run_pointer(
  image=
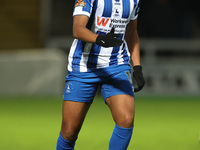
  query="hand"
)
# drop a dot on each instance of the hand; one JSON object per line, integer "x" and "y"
{"x": 109, "y": 40}
{"x": 138, "y": 76}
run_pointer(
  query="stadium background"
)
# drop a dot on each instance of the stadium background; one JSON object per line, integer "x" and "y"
{"x": 35, "y": 37}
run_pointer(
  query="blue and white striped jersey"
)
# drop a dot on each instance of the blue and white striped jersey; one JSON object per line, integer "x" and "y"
{"x": 103, "y": 15}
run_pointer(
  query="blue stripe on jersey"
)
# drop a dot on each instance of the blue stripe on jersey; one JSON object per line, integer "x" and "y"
{"x": 77, "y": 56}
{"x": 113, "y": 58}
{"x": 91, "y": 20}
{"x": 125, "y": 54}
{"x": 87, "y": 6}
{"x": 94, "y": 53}
{"x": 135, "y": 3}
{"x": 107, "y": 12}
{"x": 126, "y": 8}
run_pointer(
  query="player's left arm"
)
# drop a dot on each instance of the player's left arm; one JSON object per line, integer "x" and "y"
{"x": 133, "y": 43}
{"x": 132, "y": 40}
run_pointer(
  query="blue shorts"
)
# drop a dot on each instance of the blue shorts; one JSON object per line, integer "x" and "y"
{"x": 82, "y": 87}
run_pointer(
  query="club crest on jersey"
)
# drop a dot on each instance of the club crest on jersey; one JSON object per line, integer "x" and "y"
{"x": 80, "y": 3}
{"x": 117, "y": 11}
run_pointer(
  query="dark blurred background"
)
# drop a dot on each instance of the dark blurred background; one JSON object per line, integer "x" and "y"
{"x": 170, "y": 19}
{"x": 29, "y": 24}
{"x": 37, "y": 34}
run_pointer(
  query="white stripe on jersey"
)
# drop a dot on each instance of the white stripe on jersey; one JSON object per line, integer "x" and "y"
{"x": 80, "y": 12}
{"x": 104, "y": 57}
{"x": 72, "y": 50}
{"x": 120, "y": 56}
{"x": 84, "y": 58}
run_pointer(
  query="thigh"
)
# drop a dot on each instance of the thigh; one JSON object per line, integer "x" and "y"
{"x": 123, "y": 109}
{"x": 73, "y": 117}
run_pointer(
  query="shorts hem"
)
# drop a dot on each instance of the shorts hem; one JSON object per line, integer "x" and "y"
{"x": 118, "y": 94}
{"x": 77, "y": 100}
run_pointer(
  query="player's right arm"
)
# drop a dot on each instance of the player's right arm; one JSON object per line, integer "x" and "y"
{"x": 80, "y": 31}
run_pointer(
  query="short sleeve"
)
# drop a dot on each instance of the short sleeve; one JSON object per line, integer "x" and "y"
{"x": 83, "y": 7}
{"x": 136, "y": 10}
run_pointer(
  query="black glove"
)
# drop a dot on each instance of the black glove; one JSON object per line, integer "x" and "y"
{"x": 138, "y": 76}
{"x": 109, "y": 40}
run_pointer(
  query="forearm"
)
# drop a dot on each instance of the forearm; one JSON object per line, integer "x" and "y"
{"x": 135, "y": 53}
{"x": 84, "y": 34}
{"x": 80, "y": 31}
{"x": 134, "y": 48}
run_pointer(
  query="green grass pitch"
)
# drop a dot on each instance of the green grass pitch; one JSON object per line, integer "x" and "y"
{"x": 161, "y": 123}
